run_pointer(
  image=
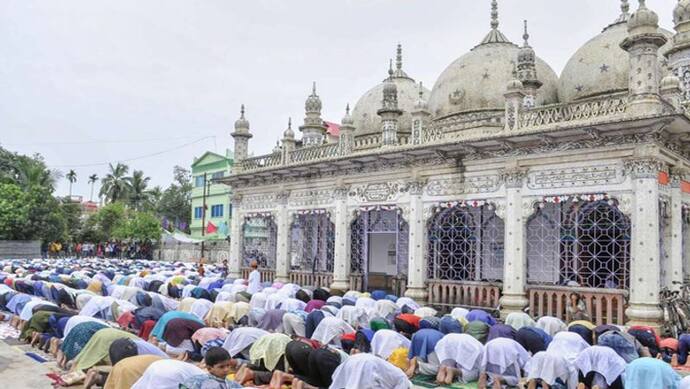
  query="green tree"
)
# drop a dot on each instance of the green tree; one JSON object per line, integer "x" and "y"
{"x": 110, "y": 218}
{"x": 139, "y": 226}
{"x": 14, "y": 212}
{"x": 138, "y": 193}
{"x": 115, "y": 185}
{"x": 92, "y": 180}
{"x": 72, "y": 178}
{"x": 176, "y": 202}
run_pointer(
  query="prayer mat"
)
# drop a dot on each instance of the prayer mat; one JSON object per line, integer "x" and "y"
{"x": 428, "y": 381}
{"x": 36, "y": 357}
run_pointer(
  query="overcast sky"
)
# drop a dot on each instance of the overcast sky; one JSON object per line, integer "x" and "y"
{"x": 86, "y": 82}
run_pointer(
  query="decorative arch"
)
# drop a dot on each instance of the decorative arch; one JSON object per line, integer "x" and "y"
{"x": 465, "y": 243}
{"x": 312, "y": 241}
{"x": 259, "y": 240}
{"x": 579, "y": 241}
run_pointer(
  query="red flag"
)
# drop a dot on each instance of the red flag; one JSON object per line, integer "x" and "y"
{"x": 211, "y": 228}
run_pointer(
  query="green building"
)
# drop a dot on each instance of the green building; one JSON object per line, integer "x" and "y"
{"x": 205, "y": 170}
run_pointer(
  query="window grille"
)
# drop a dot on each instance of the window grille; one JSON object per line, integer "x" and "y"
{"x": 259, "y": 235}
{"x": 312, "y": 243}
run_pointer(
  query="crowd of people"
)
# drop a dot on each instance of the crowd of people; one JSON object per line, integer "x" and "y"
{"x": 110, "y": 249}
{"x": 142, "y": 324}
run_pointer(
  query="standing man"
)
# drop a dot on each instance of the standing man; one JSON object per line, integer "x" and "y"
{"x": 254, "y": 278}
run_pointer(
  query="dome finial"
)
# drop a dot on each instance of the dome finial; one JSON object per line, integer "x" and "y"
{"x": 398, "y": 58}
{"x": 313, "y": 88}
{"x": 390, "y": 68}
{"x": 625, "y": 7}
{"x": 525, "y": 36}
{"x": 421, "y": 90}
{"x": 494, "y": 14}
{"x": 347, "y": 109}
{"x": 242, "y": 111}
{"x": 290, "y": 122}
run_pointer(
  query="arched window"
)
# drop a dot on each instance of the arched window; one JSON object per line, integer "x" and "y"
{"x": 312, "y": 243}
{"x": 466, "y": 244}
{"x": 579, "y": 243}
{"x": 259, "y": 235}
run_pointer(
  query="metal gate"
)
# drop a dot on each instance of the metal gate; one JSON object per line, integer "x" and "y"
{"x": 259, "y": 235}
{"x": 312, "y": 242}
{"x": 372, "y": 221}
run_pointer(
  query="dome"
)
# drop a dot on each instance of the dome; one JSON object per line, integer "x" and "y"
{"x": 365, "y": 116}
{"x": 600, "y": 66}
{"x": 681, "y": 13}
{"x": 478, "y": 79}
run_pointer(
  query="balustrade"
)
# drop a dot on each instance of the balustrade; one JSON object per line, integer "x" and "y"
{"x": 267, "y": 275}
{"x": 469, "y": 294}
{"x": 605, "y": 306}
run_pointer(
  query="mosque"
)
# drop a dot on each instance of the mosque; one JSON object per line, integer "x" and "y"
{"x": 504, "y": 187}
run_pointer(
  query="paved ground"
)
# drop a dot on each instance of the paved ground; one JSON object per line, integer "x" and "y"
{"x": 19, "y": 371}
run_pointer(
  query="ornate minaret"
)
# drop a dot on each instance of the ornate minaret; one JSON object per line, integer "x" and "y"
{"x": 643, "y": 43}
{"x": 347, "y": 133}
{"x": 389, "y": 111}
{"x": 420, "y": 118}
{"x": 313, "y": 129}
{"x": 241, "y": 137}
{"x": 679, "y": 55}
{"x": 288, "y": 143}
{"x": 527, "y": 71}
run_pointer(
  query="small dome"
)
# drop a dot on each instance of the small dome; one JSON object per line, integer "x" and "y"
{"x": 313, "y": 102}
{"x": 642, "y": 21}
{"x": 681, "y": 14}
{"x": 478, "y": 79}
{"x": 365, "y": 116}
{"x": 289, "y": 133}
{"x": 670, "y": 82}
{"x": 422, "y": 104}
{"x": 600, "y": 66}
{"x": 347, "y": 119}
{"x": 242, "y": 123}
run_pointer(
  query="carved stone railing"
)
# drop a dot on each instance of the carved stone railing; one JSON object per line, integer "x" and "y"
{"x": 605, "y": 306}
{"x": 563, "y": 113}
{"x": 267, "y": 275}
{"x": 307, "y": 278}
{"x": 262, "y": 161}
{"x": 314, "y": 153}
{"x": 470, "y": 294}
{"x": 368, "y": 142}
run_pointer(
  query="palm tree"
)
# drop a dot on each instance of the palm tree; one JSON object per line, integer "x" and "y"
{"x": 72, "y": 178}
{"x": 92, "y": 180}
{"x": 153, "y": 198}
{"x": 115, "y": 185}
{"x": 138, "y": 195}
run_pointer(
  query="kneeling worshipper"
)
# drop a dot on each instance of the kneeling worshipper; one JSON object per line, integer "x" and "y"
{"x": 76, "y": 340}
{"x": 240, "y": 340}
{"x": 166, "y": 374}
{"x": 178, "y": 338}
{"x": 602, "y": 366}
{"x": 647, "y": 373}
{"x": 385, "y": 341}
{"x": 550, "y": 370}
{"x": 267, "y": 354}
{"x": 127, "y": 371}
{"x": 423, "y": 358}
{"x": 460, "y": 356}
{"x": 533, "y": 339}
{"x": 217, "y": 362}
{"x": 310, "y": 367}
{"x": 330, "y": 330}
{"x": 366, "y": 371}
{"x": 567, "y": 344}
{"x": 503, "y": 360}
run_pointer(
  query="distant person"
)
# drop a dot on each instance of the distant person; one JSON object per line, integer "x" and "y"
{"x": 254, "y": 278}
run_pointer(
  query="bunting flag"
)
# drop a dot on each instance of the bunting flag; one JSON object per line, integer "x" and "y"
{"x": 211, "y": 228}
{"x": 223, "y": 228}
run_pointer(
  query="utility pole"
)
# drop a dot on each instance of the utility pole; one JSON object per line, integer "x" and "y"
{"x": 203, "y": 215}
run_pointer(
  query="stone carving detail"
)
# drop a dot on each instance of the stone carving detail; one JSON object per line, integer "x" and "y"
{"x": 575, "y": 177}
{"x": 282, "y": 197}
{"x": 416, "y": 188}
{"x": 311, "y": 197}
{"x": 340, "y": 192}
{"x": 405, "y": 212}
{"x": 236, "y": 200}
{"x": 500, "y": 208}
{"x": 428, "y": 211}
{"x": 643, "y": 168}
{"x": 379, "y": 191}
{"x": 462, "y": 185}
{"x": 625, "y": 203}
{"x": 529, "y": 206}
{"x": 513, "y": 178}
{"x": 259, "y": 201}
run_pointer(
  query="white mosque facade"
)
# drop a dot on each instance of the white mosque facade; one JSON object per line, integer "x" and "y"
{"x": 502, "y": 187}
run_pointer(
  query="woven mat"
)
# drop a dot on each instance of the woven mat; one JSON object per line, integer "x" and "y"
{"x": 427, "y": 381}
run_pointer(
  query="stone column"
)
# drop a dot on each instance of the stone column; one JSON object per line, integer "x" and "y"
{"x": 514, "y": 296}
{"x": 236, "y": 237}
{"x": 645, "y": 266}
{"x": 417, "y": 269}
{"x": 283, "y": 238}
{"x": 675, "y": 270}
{"x": 341, "y": 258}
